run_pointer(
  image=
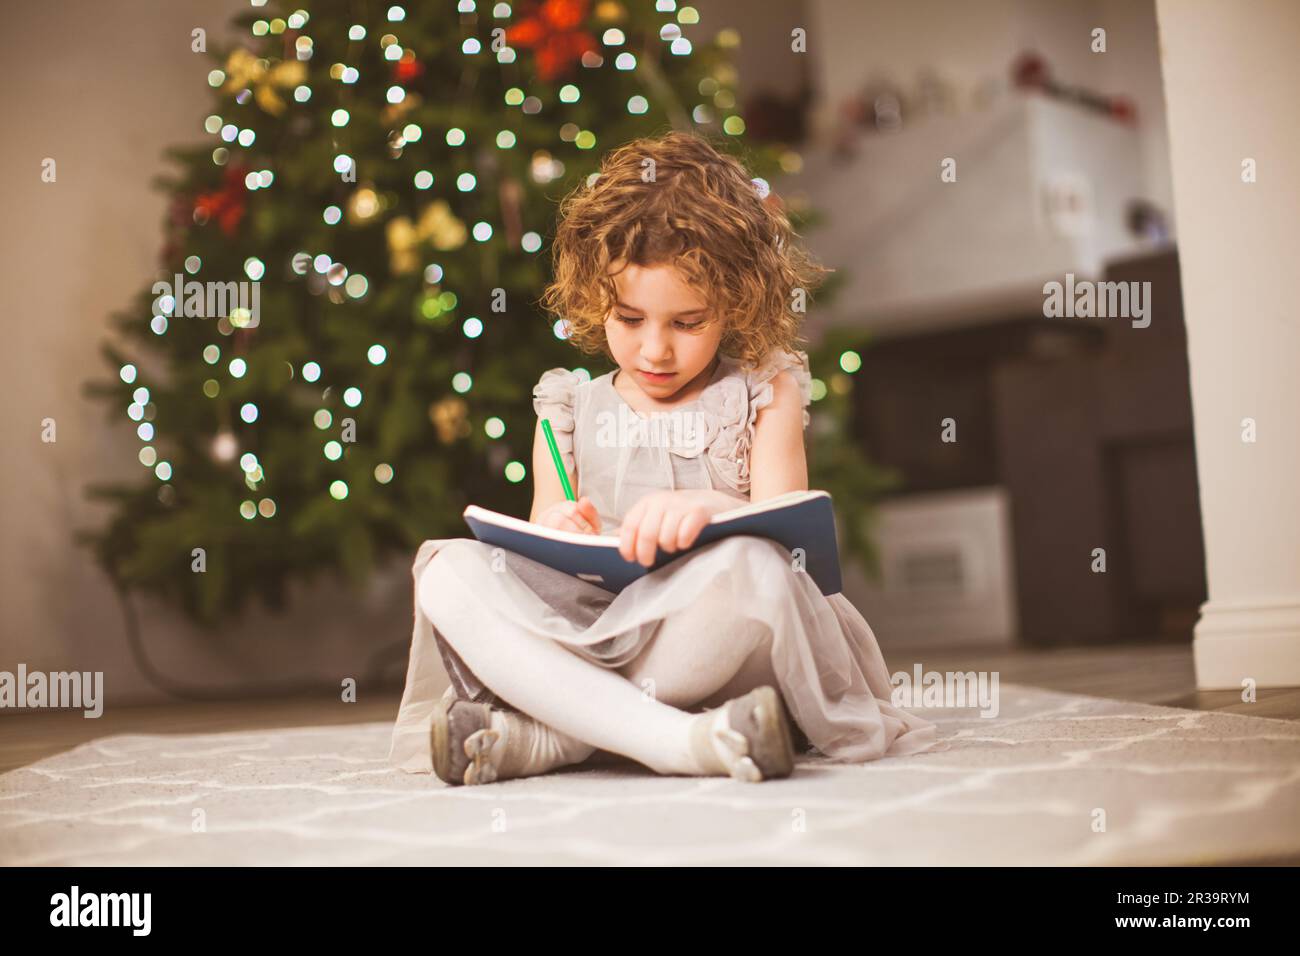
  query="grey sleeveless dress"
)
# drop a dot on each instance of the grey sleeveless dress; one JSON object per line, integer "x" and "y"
{"x": 831, "y": 673}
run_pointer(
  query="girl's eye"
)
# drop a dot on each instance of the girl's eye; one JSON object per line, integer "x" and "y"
{"x": 629, "y": 319}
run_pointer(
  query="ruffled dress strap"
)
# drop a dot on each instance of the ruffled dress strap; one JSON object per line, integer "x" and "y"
{"x": 760, "y": 380}
{"x": 554, "y": 397}
{"x": 734, "y": 403}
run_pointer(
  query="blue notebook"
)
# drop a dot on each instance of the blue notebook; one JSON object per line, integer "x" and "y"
{"x": 799, "y": 519}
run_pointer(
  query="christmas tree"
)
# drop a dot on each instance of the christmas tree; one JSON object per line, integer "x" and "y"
{"x": 339, "y": 351}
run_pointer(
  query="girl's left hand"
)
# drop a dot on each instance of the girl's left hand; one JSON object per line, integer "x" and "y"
{"x": 670, "y": 520}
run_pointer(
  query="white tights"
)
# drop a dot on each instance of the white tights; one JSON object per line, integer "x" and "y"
{"x": 633, "y": 710}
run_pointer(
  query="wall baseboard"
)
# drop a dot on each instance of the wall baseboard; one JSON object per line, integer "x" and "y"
{"x": 1237, "y": 641}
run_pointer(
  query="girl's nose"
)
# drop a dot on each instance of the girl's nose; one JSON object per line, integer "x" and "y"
{"x": 655, "y": 347}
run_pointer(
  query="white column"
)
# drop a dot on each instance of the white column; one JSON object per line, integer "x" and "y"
{"x": 1232, "y": 75}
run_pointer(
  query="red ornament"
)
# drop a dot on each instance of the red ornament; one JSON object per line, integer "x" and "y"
{"x": 1030, "y": 71}
{"x": 1123, "y": 109}
{"x": 554, "y": 32}
{"x": 227, "y": 204}
{"x": 407, "y": 69}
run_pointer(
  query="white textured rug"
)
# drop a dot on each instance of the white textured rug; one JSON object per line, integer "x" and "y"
{"x": 1028, "y": 787}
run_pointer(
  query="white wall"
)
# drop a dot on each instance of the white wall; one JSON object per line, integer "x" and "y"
{"x": 1232, "y": 74}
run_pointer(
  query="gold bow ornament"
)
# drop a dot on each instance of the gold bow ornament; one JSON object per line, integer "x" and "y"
{"x": 247, "y": 72}
{"x": 437, "y": 224}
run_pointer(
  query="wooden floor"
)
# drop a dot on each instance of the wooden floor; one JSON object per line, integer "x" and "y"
{"x": 1152, "y": 674}
{"x": 1148, "y": 673}
{"x": 29, "y": 736}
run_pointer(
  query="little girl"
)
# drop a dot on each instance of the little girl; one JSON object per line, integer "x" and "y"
{"x": 671, "y": 265}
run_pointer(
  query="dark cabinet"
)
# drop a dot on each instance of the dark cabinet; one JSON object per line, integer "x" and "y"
{"x": 1087, "y": 425}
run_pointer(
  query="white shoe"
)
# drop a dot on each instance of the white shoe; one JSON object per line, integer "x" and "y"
{"x": 749, "y": 737}
{"x": 467, "y": 747}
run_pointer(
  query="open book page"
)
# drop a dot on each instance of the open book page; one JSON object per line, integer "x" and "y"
{"x": 767, "y": 504}
{"x": 558, "y": 534}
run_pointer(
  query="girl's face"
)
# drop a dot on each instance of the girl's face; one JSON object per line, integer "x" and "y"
{"x": 658, "y": 325}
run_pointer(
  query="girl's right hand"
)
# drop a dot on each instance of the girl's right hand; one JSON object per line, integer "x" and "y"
{"x": 579, "y": 516}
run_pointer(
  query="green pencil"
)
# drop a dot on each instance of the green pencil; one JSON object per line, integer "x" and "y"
{"x": 555, "y": 456}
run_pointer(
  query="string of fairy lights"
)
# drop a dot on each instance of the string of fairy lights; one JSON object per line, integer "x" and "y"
{"x": 253, "y": 79}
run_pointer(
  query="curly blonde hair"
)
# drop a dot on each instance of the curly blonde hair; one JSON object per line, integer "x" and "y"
{"x": 701, "y": 213}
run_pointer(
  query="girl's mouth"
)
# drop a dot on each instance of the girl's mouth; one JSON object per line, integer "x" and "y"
{"x": 656, "y": 377}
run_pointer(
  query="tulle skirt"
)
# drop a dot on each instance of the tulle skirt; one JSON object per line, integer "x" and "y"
{"x": 828, "y": 664}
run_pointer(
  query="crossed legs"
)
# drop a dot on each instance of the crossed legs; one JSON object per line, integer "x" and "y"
{"x": 634, "y": 710}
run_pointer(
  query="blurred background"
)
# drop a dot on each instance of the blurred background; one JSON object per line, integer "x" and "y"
{"x": 1061, "y": 162}
{"x": 950, "y": 159}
